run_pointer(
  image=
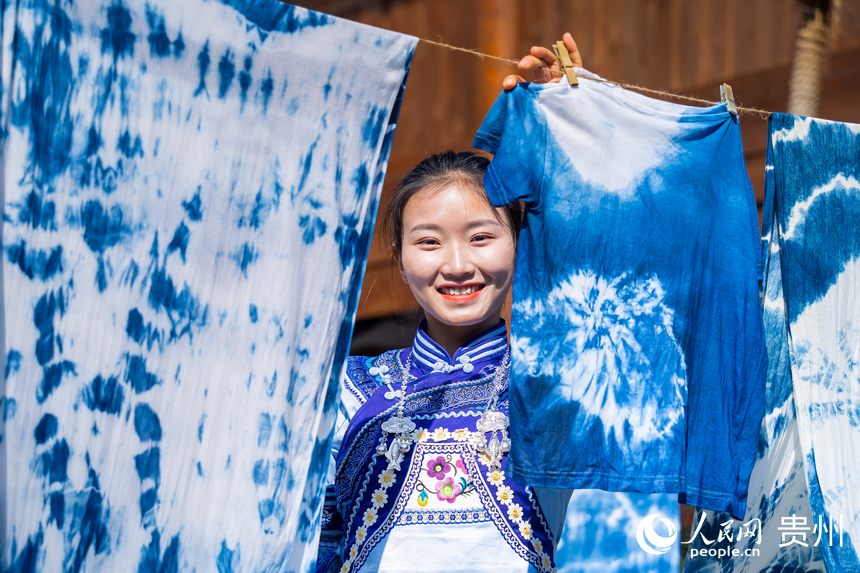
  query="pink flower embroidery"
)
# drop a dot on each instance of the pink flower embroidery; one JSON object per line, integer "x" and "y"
{"x": 461, "y": 466}
{"x": 438, "y": 468}
{"x": 447, "y": 490}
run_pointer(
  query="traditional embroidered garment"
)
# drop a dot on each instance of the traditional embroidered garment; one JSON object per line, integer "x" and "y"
{"x": 444, "y": 509}
{"x": 636, "y": 326}
{"x": 173, "y": 173}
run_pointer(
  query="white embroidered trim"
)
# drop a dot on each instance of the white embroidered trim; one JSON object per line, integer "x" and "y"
{"x": 504, "y": 495}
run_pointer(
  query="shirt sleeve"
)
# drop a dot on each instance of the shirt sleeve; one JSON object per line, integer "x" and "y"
{"x": 514, "y": 131}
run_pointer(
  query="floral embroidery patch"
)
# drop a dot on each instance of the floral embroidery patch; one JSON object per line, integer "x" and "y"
{"x": 446, "y": 477}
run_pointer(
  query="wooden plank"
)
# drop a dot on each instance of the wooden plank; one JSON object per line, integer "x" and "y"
{"x": 705, "y": 48}
{"x": 847, "y": 33}
{"x": 675, "y": 23}
{"x": 441, "y": 113}
{"x": 581, "y": 25}
{"x": 628, "y": 34}
{"x": 601, "y": 44}
{"x": 729, "y": 37}
{"x": 655, "y": 44}
{"x": 497, "y": 35}
{"x": 690, "y": 24}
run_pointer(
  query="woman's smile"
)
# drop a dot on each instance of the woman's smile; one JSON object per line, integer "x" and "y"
{"x": 463, "y": 293}
{"x": 457, "y": 258}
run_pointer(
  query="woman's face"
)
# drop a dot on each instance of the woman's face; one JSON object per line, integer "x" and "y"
{"x": 457, "y": 257}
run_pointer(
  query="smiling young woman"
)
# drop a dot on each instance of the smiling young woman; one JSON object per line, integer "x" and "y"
{"x": 455, "y": 251}
{"x": 421, "y": 440}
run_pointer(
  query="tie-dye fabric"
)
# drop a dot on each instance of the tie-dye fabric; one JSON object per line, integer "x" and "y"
{"x": 613, "y": 532}
{"x": 812, "y": 206}
{"x": 815, "y": 187}
{"x": 636, "y": 326}
{"x": 188, "y": 194}
{"x": 802, "y": 490}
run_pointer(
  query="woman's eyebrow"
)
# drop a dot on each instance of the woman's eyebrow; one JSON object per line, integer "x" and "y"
{"x": 470, "y": 225}
{"x": 424, "y": 227}
{"x": 482, "y": 222}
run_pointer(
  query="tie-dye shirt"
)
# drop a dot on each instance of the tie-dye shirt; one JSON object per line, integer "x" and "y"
{"x": 636, "y": 327}
{"x": 444, "y": 509}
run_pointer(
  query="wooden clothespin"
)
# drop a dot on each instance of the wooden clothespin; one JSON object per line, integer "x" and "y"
{"x": 728, "y": 98}
{"x": 566, "y": 63}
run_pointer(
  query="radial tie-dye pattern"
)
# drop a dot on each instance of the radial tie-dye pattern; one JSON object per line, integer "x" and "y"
{"x": 614, "y": 532}
{"x": 188, "y": 194}
{"x": 636, "y": 327}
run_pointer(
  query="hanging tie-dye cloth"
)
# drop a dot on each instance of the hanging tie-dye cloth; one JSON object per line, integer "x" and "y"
{"x": 814, "y": 189}
{"x": 803, "y": 496}
{"x": 188, "y": 194}
{"x": 636, "y": 324}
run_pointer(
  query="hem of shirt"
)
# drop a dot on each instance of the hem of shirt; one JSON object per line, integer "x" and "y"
{"x": 715, "y": 501}
{"x": 704, "y": 499}
{"x": 604, "y": 481}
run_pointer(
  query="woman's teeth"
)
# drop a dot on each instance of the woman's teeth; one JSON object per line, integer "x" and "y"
{"x": 461, "y": 290}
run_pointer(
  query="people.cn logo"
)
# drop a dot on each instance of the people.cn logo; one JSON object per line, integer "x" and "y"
{"x": 653, "y": 541}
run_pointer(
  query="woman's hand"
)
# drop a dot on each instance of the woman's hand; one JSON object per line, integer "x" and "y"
{"x": 541, "y": 65}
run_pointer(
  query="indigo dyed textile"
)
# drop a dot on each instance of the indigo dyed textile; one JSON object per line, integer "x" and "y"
{"x": 636, "y": 326}
{"x": 188, "y": 194}
{"x": 803, "y": 489}
{"x": 612, "y": 532}
{"x": 778, "y": 487}
{"x": 814, "y": 190}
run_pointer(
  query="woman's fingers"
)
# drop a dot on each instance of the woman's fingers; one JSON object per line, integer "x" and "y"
{"x": 542, "y": 66}
{"x": 546, "y": 56}
{"x": 511, "y": 81}
{"x": 575, "y": 56}
{"x": 538, "y": 69}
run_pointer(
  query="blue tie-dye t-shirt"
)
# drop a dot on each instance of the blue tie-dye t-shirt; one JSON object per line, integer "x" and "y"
{"x": 636, "y": 327}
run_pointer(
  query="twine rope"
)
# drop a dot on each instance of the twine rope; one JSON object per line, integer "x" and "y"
{"x": 761, "y": 113}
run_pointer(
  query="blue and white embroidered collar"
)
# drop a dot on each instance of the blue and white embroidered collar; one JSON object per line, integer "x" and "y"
{"x": 429, "y": 356}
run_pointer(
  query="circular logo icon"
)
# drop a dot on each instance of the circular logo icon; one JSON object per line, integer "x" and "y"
{"x": 652, "y": 541}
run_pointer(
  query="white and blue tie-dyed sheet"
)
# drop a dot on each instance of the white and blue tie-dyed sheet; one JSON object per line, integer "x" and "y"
{"x": 804, "y": 490}
{"x": 188, "y": 195}
{"x": 613, "y": 532}
{"x": 636, "y": 327}
{"x": 815, "y": 186}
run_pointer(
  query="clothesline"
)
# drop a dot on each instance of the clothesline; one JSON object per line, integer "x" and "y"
{"x": 761, "y": 113}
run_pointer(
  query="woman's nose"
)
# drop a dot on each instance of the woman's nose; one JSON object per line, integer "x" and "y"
{"x": 458, "y": 262}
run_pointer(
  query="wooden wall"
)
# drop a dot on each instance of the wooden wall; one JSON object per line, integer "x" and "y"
{"x": 686, "y": 46}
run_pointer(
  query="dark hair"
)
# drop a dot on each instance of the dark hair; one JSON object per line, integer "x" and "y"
{"x": 435, "y": 172}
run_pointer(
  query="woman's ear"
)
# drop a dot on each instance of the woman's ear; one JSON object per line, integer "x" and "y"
{"x": 399, "y": 262}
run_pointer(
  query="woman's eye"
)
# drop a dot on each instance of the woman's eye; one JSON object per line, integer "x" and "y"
{"x": 481, "y": 238}
{"x": 428, "y": 242}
